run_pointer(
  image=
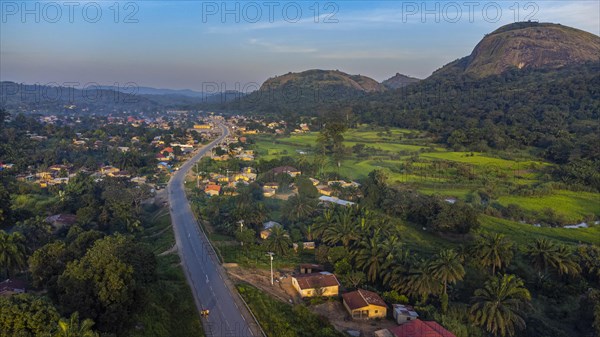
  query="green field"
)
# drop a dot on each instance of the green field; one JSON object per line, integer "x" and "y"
{"x": 524, "y": 233}
{"x": 410, "y": 158}
{"x": 573, "y": 206}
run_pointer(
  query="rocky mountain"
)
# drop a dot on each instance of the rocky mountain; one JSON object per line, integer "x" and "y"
{"x": 527, "y": 45}
{"x": 399, "y": 81}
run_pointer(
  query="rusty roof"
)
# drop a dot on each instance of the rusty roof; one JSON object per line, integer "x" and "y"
{"x": 316, "y": 280}
{"x": 362, "y": 298}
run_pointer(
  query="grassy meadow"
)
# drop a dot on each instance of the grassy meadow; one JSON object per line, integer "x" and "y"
{"x": 412, "y": 159}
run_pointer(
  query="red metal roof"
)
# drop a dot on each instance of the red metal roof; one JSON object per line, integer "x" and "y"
{"x": 419, "y": 328}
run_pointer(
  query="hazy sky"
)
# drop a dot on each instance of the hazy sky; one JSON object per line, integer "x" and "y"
{"x": 187, "y": 44}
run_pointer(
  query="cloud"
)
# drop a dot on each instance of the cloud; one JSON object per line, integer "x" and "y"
{"x": 281, "y": 48}
{"x": 366, "y": 55}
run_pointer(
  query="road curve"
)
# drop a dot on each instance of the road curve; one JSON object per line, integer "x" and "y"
{"x": 199, "y": 261}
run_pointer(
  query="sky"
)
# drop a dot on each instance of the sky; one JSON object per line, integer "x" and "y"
{"x": 240, "y": 44}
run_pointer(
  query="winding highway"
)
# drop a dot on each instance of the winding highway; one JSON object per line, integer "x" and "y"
{"x": 205, "y": 275}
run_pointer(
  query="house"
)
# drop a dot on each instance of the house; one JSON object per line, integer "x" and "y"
{"x": 108, "y": 169}
{"x": 316, "y": 284}
{"x": 308, "y": 268}
{"x": 244, "y": 176}
{"x": 364, "y": 304}
{"x": 212, "y": 190}
{"x": 305, "y": 245}
{"x": 120, "y": 174}
{"x": 269, "y": 189}
{"x": 163, "y": 166}
{"x": 404, "y": 313}
{"x": 419, "y": 328}
{"x": 245, "y": 157}
{"x": 292, "y": 171}
{"x": 59, "y": 221}
{"x": 325, "y": 190}
{"x": 202, "y": 126}
{"x": 267, "y": 226}
{"x": 333, "y": 200}
{"x": 58, "y": 168}
{"x": 10, "y": 287}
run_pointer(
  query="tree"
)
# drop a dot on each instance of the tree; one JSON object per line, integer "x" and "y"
{"x": 331, "y": 139}
{"x": 343, "y": 229}
{"x": 279, "y": 241}
{"x": 13, "y": 252}
{"x": 545, "y": 254}
{"x": 370, "y": 257}
{"x": 47, "y": 264}
{"x": 5, "y": 204}
{"x": 27, "y": 315}
{"x": 447, "y": 267}
{"x": 493, "y": 251}
{"x": 421, "y": 282}
{"x": 498, "y": 306}
{"x": 396, "y": 269}
{"x": 37, "y": 232}
{"x": 299, "y": 207}
{"x": 101, "y": 285}
{"x": 73, "y": 328}
{"x": 542, "y": 254}
{"x": 246, "y": 237}
{"x": 589, "y": 259}
{"x": 355, "y": 278}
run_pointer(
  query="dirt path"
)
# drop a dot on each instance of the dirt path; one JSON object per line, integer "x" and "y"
{"x": 172, "y": 250}
{"x": 281, "y": 289}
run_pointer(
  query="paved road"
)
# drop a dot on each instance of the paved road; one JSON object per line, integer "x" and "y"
{"x": 199, "y": 260}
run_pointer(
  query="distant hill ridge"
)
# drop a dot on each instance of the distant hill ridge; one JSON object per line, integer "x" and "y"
{"x": 399, "y": 81}
{"x": 324, "y": 79}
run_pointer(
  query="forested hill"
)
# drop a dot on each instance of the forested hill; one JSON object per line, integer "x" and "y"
{"x": 307, "y": 92}
{"x": 541, "y": 94}
{"x": 555, "y": 110}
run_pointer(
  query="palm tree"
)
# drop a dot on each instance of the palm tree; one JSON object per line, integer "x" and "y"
{"x": 370, "y": 257}
{"x": 447, "y": 268}
{"x": 73, "y": 328}
{"x": 545, "y": 254}
{"x": 542, "y": 254}
{"x": 13, "y": 250}
{"x": 568, "y": 264}
{"x": 323, "y": 222}
{"x": 498, "y": 306}
{"x": 298, "y": 207}
{"x": 493, "y": 250}
{"x": 421, "y": 282}
{"x": 396, "y": 268}
{"x": 343, "y": 230}
{"x": 279, "y": 241}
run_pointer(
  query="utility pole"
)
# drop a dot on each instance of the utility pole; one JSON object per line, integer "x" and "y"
{"x": 271, "y": 255}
